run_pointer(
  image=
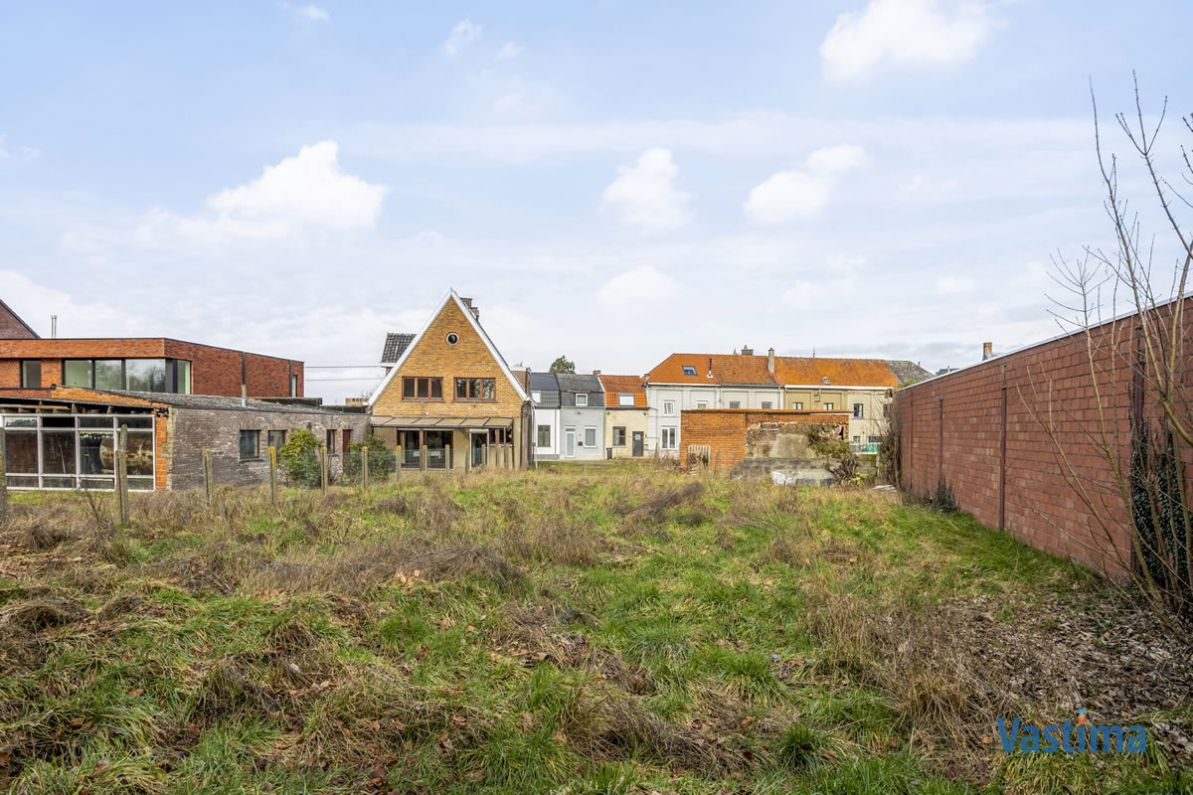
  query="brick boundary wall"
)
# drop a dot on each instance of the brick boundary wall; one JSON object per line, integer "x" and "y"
{"x": 724, "y": 430}
{"x": 982, "y": 431}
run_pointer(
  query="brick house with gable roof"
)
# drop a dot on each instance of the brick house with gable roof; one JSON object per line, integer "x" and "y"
{"x": 450, "y": 401}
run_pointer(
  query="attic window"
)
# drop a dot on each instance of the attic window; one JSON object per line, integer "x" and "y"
{"x": 689, "y": 369}
{"x": 453, "y": 338}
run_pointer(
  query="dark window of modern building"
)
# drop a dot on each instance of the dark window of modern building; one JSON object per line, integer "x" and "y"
{"x": 277, "y": 439}
{"x": 544, "y": 436}
{"x": 77, "y": 372}
{"x": 31, "y": 373}
{"x": 143, "y": 375}
{"x": 420, "y": 388}
{"x": 618, "y": 436}
{"x": 859, "y": 411}
{"x": 137, "y": 375}
{"x": 475, "y": 389}
{"x": 250, "y": 445}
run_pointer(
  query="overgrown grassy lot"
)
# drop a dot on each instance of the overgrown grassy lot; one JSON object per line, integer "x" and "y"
{"x": 569, "y": 631}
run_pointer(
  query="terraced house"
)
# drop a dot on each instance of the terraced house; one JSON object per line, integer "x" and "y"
{"x": 449, "y": 401}
{"x": 743, "y": 380}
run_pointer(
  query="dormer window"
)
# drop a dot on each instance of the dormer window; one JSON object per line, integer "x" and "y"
{"x": 689, "y": 370}
{"x": 581, "y": 399}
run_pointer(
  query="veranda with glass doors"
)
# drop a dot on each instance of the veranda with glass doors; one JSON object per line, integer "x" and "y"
{"x": 76, "y": 451}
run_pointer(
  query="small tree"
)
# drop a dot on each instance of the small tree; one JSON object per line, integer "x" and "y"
{"x": 563, "y": 365}
{"x": 382, "y": 460}
{"x": 299, "y": 458}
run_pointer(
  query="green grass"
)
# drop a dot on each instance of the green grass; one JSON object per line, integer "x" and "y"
{"x": 575, "y": 630}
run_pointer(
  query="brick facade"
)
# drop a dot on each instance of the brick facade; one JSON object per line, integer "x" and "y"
{"x": 982, "y": 431}
{"x": 214, "y": 371}
{"x": 726, "y": 431}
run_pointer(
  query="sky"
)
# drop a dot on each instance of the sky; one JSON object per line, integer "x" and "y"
{"x": 612, "y": 181}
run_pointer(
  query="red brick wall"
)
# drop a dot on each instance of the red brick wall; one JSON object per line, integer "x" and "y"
{"x": 11, "y": 326}
{"x": 214, "y": 371}
{"x": 952, "y": 431}
{"x": 724, "y": 430}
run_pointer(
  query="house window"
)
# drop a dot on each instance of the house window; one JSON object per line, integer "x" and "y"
{"x": 618, "y": 436}
{"x": 475, "y": 388}
{"x": 137, "y": 375}
{"x": 250, "y": 445}
{"x": 544, "y": 436}
{"x": 858, "y": 411}
{"x": 347, "y": 440}
{"x": 735, "y": 404}
{"x": 668, "y": 439}
{"x": 31, "y": 373}
{"x": 798, "y": 405}
{"x": 581, "y": 399}
{"x": 536, "y": 396}
{"x": 874, "y": 439}
{"x": 109, "y": 374}
{"x": 453, "y": 338}
{"x": 625, "y": 399}
{"x": 689, "y": 369}
{"x": 277, "y": 439}
{"x": 669, "y": 407}
{"x": 77, "y": 372}
{"x": 829, "y": 406}
{"x": 590, "y": 437}
{"x": 421, "y": 388}
{"x": 331, "y": 442}
{"x": 886, "y": 411}
{"x": 766, "y": 404}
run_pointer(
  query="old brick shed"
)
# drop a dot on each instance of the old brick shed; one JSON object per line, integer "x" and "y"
{"x": 762, "y": 440}
{"x": 64, "y": 438}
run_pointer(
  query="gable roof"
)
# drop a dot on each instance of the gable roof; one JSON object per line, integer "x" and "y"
{"x": 543, "y": 382}
{"x": 452, "y": 296}
{"x": 17, "y": 320}
{"x": 728, "y": 369}
{"x": 623, "y": 385}
{"x": 395, "y": 345}
{"x": 908, "y": 372}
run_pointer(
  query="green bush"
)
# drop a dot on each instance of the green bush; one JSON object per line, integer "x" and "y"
{"x": 382, "y": 460}
{"x": 299, "y": 458}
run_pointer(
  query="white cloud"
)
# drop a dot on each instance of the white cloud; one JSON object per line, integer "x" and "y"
{"x": 953, "y": 285}
{"x": 463, "y": 35}
{"x": 645, "y": 195}
{"x": 19, "y": 153}
{"x": 836, "y": 159}
{"x": 313, "y": 13}
{"x": 511, "y": 49}
{"x": 787, "y": 196}
{"x": 35, "y": 302}
{"x": 634, "y": 288}
{"x": 923, "y": 186}
{"x": 790, "y": 195}
{"x": 903, "y": 32}
{"x": 306, "y": 190}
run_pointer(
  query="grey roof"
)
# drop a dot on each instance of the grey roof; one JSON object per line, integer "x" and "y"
{"x": 572, "y": 383}
{"x": 547, "y": 387}
{"x": 395, "y": 345}
{"x": 907, "y": 372}
{"x": 221, "y": 403}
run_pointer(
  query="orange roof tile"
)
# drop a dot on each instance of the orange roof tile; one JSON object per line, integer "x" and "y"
{"x": 725, "y": 369}
{"x": 620, "y": 385}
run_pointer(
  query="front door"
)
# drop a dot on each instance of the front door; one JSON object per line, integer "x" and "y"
{"x": 637, "y": 444}
{"x": 569, "y": 443}
{"x": 477, "y": 449}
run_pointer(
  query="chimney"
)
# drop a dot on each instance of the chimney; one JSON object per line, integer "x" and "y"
{"x": 596, "y": 372}
{"x": 746, "y": 350}
{"x": 770, "y": 360}
{"x": 987, "y": 350}
{"x": 476, "y": 312}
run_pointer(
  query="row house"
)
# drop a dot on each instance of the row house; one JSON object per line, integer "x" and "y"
{"x": 742, "y": 380}
{"x": 569, "y": 416}
{"x": 627, "y": 416}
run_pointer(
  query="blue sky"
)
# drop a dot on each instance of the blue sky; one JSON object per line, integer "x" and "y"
{"x": 613, "y": 180}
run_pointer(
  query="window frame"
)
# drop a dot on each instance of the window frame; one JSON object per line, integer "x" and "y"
{"x": 625, "y": 399}
{"x": 689, "y": 370}
{"x": 431, "y": 382}
{"x": 25, "y": 380}
{"x": 735, "y": 404}
{"x": 668, "y": 412}
{"x": 619, "y": 429}
{"x": 538, "y": 436}
{"x": 797, "y": 405}
{"x": 468, "y": 383}
{"x": 255, "y": 435}
{"x": 270, "y": 438}
{"x": 590, "y": 433}
{"x": 329, "y": 441}
{"x": 767, "y": 405}
{"x": 830, "y": 406}
{"x": 669, "y": 432}
{"x": 859, "y": 411}
{"x": 580, "y": 395}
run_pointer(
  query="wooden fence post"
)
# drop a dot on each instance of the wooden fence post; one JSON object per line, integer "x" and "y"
{"x": 208, "y": 477}
{"x": 364, "y": 467}
{"x": 323, "y": 469}
{"x": 398, "y": 464}
{"x": 3, "y": 482}
{"x": 122, "y": 475}
{"x": 273, "y": 475}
